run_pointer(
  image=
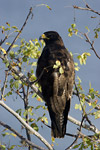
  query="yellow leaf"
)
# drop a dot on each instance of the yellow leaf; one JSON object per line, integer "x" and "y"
{"x": 14, "y": 64}
{"x": 53, "y": 139}
{"x": 3, "y": 50}
{"x": 89, "y": 104}
{"x": 61, "y": 70}
{"x": 58, "y": 63}
{"x": 13, "y": 134}
{"x": 4, "y": 99}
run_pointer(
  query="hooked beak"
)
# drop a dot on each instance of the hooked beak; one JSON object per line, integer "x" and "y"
{"x": 42, "y": 37}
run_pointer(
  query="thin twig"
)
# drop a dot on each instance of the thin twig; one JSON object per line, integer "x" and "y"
{"x": 21, "y": 137}
{"x": 30, "y": 12}
{"x": 2, "y": 41}
{"x": 79, "y": 98}
{"x": 91, "y": 44}
{"x": 3, "y": 88}
{"x": 87, "y": 8}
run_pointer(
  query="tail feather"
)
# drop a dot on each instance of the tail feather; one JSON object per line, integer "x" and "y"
{"x": 58, "y": 126}
{"x": 59, "y": 121}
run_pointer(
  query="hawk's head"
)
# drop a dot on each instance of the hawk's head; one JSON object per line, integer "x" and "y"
{"x": 51, "y": 37}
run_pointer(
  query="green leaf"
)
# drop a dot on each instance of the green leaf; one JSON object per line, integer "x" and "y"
{"x": 58, "y": 63}
{"x": 88, "y": 54}
{"x": 13, "y": 134}
{"x": 17, "y": 83}
{"x": 14, "y": 27}
{"x": 75, "y": 31}
{"x": 34, "y": 126}
{"x": 6, "y": 133}
{"x": 87, "y": 29}
{"x": 97, "y": 114}
{"x": 15, "y": 45}
{"x": 11, "y": 54}
{"x": 39, "y": 106}
{"x": 73, "y": 25}
{"x": 2, "y": 147}
{"x": 55, "y": 66}
{"x": 24, "y": 59}
{"x": 19, "y": 111}
{"x": 78, "y": 106}
{"x": 45, "y": 119}
{"x": 70, "y": 30}
{"x": 12, "y": 147}
{"x": 53, "y": 139}
{"x": 61, "y": 70}
{"x": 25, "y": 113}
{"x": 96, "y": 35}
{"x": 31, "y": 120}
{"x": 70, "y": 34}
{"x": 76, "y": 146}
{"x": 77, "y": 68}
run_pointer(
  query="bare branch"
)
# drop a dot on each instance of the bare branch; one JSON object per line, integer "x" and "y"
{"x": 2, "y": 41}
{"x": 25, "y": 95}
{"x": 21, "y": 137}
{"x": 91, "y": 44}
{"x": 87, "y": 8}
{"x": 30, "y": 12}
{"x": 3, "y": 88}
{"x": 25, "y": 124}
{"x": 85, "y": 126}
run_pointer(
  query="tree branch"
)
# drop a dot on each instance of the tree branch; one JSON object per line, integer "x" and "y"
{"x": 91, "y": 44}
{"x": 26, "y": 95}
{"x": 87, "y": 8}
{"x": 85, "y": 126}
{"x": 26, "y": 125}
{"x": 3, "y": 88}
{"x": 30, "y": 12}
{"x": 21, "y": 137}
{"x": 2, "y": 41}
{"x": 70, "y": 147}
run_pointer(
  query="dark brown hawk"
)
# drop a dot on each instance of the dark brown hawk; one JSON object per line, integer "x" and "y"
{"x": 55, "y": 73}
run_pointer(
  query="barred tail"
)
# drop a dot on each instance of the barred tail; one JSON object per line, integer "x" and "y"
{"x": 58, "y": 126}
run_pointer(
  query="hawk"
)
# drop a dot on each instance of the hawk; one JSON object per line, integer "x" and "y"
{"x": 55, "y": 74}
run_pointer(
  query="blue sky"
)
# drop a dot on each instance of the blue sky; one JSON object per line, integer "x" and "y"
{"x": 59, "y": 19}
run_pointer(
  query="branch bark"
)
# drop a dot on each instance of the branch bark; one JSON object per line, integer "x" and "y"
{"x": 21, "y": 137}
{"x": 25, "y": 124}
{"x": 3, "y": 88}
{"x": 73, "y": 143}
{"x": 91, "y": 44}
{"x": 85, "y": 126}
{"x": 87, "y": 8}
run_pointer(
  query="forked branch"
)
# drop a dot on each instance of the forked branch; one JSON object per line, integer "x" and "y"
{"x": 21, "y": 137}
